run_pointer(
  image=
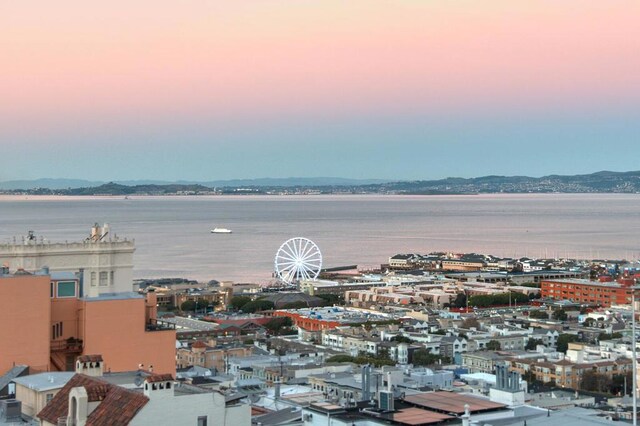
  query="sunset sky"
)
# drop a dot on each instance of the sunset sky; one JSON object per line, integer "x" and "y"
{"x": 414, "y": 89}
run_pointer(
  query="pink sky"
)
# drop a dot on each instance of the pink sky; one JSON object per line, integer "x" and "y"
{"x": 70, "y": 61}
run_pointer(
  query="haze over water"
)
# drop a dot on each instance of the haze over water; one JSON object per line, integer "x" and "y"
{"x": 173, "y": 236}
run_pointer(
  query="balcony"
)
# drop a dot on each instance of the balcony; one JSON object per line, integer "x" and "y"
{"x": 159, "y": 325}
{"x": 70, "y": 345}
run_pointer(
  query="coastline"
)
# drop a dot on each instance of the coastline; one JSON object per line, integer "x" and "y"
{"x": 133, "y": 197}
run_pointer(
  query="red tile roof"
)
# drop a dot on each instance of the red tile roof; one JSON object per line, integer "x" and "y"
{"x": 198, "y": 344}
{"x": 90, "y": 358}
{"x": 119, "y": 405}
{"x": 97, "y": 392}
{"x": 159, "y": 378}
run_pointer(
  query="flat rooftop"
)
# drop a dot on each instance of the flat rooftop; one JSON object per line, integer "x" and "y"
{"x": 450, "y": 402}
{"x": 418, "y": 416}
{"x": 582, "y": 281}
{"x": 45, "y": 381}
{"x": 183, "y": 323}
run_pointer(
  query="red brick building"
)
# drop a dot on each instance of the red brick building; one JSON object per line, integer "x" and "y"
{"x": 587, "y": 292}
{"x": 306, "y": 323}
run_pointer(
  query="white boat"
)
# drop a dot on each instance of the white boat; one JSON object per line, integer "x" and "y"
{"x": 220, "y": 231}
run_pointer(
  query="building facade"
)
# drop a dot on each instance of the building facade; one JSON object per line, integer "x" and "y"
{"x": 61, "y": 324}
{"x": 104, "y": 259}
{"x": 587, "y": 292}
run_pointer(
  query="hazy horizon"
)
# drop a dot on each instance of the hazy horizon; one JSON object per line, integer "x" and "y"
{"x": 371, "y": 89}
{"x": 292, "y": 178}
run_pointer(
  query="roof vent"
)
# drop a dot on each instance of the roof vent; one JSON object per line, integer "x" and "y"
{"x": 10, "y": 410}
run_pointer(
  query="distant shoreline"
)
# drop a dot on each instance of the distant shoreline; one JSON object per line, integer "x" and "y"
{"x": 29, "y": 197}
{"x": 604, "y": 182}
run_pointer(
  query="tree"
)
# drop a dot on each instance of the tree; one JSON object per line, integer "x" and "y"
{"x": 279, "y": 325}
{"x": 424, "y": 357}
{"x": 560, "y": 315}
{"x": 471, "y": 323}
{"x": 596, "y": 382}
{"x": 237, "y": 302}
{"x": 188, "y": 306}
{"x": 340, "y": 358}
{"x": 296, "y": 305}
{"x": 331, "y": 299}
{"x": 538, "y": 315}
{"x": 618, "y": 384}
{"x": 383, "y": 353}
{"x": 493, "y": 345}
{"x": 564, "y": 340}
{"x": 460, "y": 301}
{"x": 532, "y": 344}
{"x": 486, "y": 300}
{"x": 607, "y": 336}
{"x": 257, "y": 305}
{"x": 401, "y": 339}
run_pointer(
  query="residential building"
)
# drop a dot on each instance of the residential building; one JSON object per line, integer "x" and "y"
{"x": 91, "y": 400}
{"x": 209, "y": 355}
{"x": 565, "y": 372}
{"x": 36, "y": 390}
{"x": 587, "y": 292}
{"x": 481, "y": 361}
{"x": 62, "y": 323}
{"x": 451, "y": 346}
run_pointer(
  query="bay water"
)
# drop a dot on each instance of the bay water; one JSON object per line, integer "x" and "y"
{"x": 173, "y": 237}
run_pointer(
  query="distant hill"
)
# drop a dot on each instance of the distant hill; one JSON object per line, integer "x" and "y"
{"x": 600, "y": 182}
{"x": 49, "y": 183}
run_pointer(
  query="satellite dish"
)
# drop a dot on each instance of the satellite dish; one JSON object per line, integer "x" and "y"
{"x": 138, "y": 381}
{"x": 254, "y": 397}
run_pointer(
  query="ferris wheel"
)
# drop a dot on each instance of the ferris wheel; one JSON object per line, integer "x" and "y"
{"x": 298, "y": 259}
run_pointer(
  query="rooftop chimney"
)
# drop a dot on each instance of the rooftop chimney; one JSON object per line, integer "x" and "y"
{"x": 277, "y": 389}
{"x": 466, "y": 418}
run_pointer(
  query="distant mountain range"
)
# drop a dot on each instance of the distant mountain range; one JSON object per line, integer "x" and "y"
{"x": 234, "y": 183}
{"x": 600, "y": 182}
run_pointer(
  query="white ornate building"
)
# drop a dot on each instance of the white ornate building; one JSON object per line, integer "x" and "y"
{"x": 105, "y": 260}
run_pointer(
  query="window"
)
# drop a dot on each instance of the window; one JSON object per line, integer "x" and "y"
{"x": 52, "y": 292}
{"x": 104, "y": 279}
{"x": 94, "y": 281}
{"x": 66, "y": 289}
{"x": 202, "y": 420}
{"x": 49, "y": 397}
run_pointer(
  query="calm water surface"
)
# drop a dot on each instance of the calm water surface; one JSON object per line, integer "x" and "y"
{"x": 173, "y": 239}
